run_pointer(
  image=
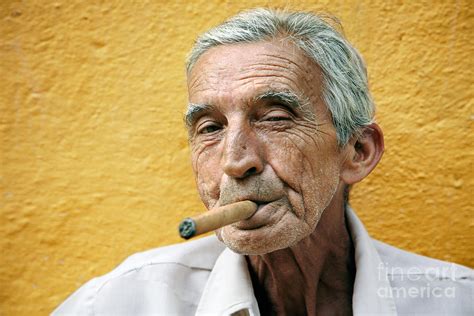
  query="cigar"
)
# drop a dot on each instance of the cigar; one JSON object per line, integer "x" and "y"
{"x": 216, "y": 218}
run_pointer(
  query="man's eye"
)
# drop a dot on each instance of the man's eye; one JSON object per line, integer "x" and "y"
{"x": 208, "y": 128}
{"x": 276, "y": 116}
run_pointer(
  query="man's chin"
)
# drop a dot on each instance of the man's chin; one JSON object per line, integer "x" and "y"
{"x": 257, "y": 242}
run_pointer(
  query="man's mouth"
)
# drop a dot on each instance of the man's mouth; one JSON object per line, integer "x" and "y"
{"x": 260, "y": 218}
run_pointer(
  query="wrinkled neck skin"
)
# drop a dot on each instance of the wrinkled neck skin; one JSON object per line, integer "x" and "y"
{"x": 314, "y": 277}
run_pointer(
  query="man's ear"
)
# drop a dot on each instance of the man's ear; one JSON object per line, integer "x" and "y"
{"x": 363, "y": 152}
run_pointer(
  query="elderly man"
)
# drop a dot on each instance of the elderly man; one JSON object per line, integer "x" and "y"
{"x": 279, "y": 114}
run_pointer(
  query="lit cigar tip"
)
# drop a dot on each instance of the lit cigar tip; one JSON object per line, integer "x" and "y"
{"x": 187, "y": 228}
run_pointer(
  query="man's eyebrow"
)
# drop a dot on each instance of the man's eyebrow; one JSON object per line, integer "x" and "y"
{"x": 288, "y": 98}
{"x": 194, "y": 111}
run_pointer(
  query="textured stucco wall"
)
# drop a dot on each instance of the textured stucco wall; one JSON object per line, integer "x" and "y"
{"x": 93, "y": 153}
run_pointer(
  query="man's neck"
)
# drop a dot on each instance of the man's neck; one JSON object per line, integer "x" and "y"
{"x": 316, "y": 276}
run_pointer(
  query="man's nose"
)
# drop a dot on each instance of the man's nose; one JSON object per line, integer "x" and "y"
{"x": 242, "y": 155}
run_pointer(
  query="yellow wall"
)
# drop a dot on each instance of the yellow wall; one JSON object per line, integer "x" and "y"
{"x": 94, "y": 158}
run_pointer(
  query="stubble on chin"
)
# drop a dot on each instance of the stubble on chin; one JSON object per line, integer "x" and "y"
{"x": 262, "y": 242}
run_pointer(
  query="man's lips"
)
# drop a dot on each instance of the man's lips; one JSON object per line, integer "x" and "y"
{"x": 261, "y": 217}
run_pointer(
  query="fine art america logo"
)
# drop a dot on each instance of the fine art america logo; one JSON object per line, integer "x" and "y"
{"x": 416, "y": 282}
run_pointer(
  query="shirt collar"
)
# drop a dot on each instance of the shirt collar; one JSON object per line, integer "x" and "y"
{"x": 229, "y": 287}
{"x": 369, "y": 280}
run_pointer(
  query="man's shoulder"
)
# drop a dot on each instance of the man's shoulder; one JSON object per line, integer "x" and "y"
{"x": 175, "y": 273}
{"x": 404, "y": 262}
{"x": 197, "y": 254}
{"x": 419, "y": 284}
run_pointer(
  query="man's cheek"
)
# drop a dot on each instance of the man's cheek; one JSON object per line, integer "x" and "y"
{"x": 208, "y": 186}
{"x": 204, "y": 193}
{"x": 292, "y": 168}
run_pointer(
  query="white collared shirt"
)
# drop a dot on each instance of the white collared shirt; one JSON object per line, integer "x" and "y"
{"x": 203, "y": 277}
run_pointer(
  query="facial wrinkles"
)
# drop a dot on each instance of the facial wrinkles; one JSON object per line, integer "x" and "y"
{"x": 278, "y": 73}
{"x": 300, "y": 67}
{"x": 265, "y": 187}
{"x": 206, "y": 78}
{"x": 281, "y": 78}
{"x": 310, "y": 172}
{"x": 285, "y": 62}
{"x": 307, "y": 137}
{"x": 274, "y": 65}
{"x": 300, "y": 171}
{"x": 278, "y": 236}
{"x": 206, "y": 188}
{"x": 280, "y": 69}
{"x": 206, "y": 180}
{"x": 241, "y": 143}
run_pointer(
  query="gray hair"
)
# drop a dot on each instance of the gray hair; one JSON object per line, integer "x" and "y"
{"x": 345, "y": 87}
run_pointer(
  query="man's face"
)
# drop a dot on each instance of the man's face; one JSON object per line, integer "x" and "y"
{"x": 260, "y": 131}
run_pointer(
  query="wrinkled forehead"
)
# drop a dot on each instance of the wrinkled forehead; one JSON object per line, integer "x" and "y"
{"x": 277, "y": 63}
